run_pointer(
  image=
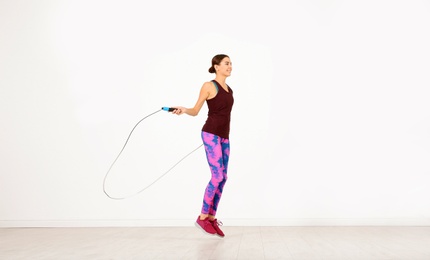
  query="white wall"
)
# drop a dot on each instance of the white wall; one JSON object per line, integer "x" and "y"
{"x": 331, "y": 122}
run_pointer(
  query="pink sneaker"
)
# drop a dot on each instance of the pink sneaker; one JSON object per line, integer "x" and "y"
{"x": 216, "y": 224}
{"x": 206, "y": 226}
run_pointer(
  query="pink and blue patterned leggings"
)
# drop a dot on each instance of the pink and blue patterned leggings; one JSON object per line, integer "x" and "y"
{"x": 217, "y": 152}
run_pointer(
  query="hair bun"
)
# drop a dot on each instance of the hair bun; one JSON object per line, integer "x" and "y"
{"x": 216, "y": 60}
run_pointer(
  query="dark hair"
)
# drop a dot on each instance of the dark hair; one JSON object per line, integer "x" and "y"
{"x": 216, "y": 60}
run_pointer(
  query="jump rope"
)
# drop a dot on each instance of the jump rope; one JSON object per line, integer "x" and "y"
{"x": 168, "y": 109}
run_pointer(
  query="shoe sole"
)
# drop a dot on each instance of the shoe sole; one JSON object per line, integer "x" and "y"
{"x": 219, "y": 235}
{"x": 204, "y": 231}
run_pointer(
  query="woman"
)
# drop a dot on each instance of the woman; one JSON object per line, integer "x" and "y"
{"x": 215, "y": 135}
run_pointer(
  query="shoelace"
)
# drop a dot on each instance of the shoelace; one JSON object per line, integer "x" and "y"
{"x": 217, "y": 222}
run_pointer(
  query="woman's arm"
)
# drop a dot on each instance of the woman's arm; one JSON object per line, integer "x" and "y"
{"x": 207, "y": 91}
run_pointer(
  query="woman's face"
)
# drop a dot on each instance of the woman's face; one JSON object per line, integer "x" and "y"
{"x": 225, "y": 67}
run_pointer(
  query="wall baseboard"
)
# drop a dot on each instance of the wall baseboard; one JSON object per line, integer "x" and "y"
{"x": 227, "y": 222}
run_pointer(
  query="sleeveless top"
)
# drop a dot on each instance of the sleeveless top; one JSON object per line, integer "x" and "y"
{"x": 218, "y": 121}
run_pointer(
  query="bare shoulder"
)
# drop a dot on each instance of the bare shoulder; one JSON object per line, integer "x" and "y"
{"x": 210, "y": 89}
{"x": 208, "y": 85}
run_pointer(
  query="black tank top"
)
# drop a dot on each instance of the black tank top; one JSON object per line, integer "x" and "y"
{"x": 218, "y": 121}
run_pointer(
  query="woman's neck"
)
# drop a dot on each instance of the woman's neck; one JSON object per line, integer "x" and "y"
{"x": 221, "y": 80}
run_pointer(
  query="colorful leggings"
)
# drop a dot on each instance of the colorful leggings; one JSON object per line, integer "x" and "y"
{"x": 217, "y": 152}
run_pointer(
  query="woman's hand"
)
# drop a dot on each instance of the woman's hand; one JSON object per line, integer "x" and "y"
{"x": 179, "y": 110}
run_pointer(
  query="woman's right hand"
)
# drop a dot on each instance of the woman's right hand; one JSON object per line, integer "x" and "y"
{"x": 179, "y": 110}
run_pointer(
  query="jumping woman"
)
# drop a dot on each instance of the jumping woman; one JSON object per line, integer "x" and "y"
{"x": 215, "y": 135}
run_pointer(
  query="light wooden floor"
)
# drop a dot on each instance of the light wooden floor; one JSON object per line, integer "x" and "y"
{"x": 331, "y": 243}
